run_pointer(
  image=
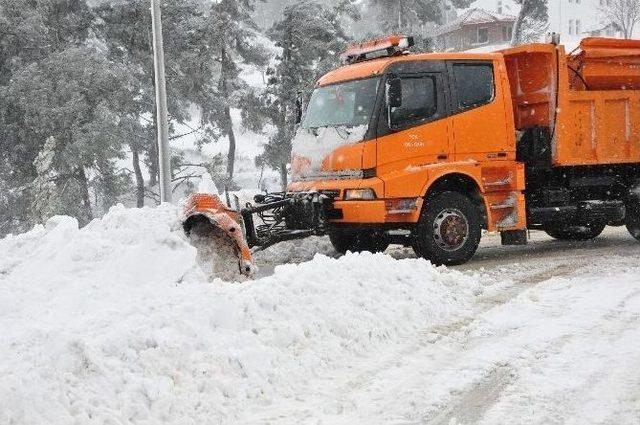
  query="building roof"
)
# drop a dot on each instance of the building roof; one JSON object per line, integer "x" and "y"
{"x": 473, "y": 17}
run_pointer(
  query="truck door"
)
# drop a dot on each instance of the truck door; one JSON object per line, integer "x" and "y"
{"x": 479, "y": 121}
{"x": 416, "y": 133}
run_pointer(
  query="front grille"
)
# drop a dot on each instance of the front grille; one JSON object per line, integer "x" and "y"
{"x": 330, "y": 193}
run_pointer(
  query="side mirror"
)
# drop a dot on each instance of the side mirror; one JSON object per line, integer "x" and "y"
{"x": 394, "y": 92}
{"x": 299, "y": 108}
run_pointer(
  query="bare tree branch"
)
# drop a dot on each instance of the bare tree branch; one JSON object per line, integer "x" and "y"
{"x": 623, "y": 14}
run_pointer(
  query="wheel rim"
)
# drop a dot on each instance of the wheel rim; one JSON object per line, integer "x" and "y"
{"x": 450, "y": 229}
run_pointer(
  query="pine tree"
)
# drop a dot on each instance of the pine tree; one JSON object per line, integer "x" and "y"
{"x": 311, "y": 37}
{"x": 23, "y": 40}
{"x": 408, "y": 16}
{"x": 531, "y": 20}
{"x": 234, "y": 38}
{"x": 53, "y": 87}
{"x": 66, "y": 102}
{"x": 124, "y": 28}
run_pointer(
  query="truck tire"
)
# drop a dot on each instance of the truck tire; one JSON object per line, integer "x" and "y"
{"x": 358, "y": 241}
{"x": 632, "y": 218}
{"x": 575, "y": 233}
{"x": 449, "y": 229}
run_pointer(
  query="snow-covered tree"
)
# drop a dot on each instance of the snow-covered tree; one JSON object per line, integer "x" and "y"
{"x": 234, "y": 40}
{"x": 53, "y": 86}
{"x": 409, "y": 16}
{"x": 311, "y": 37}
{"x": 53, "y": 190}
{"x": 124, "y": 27}
{"x": 531, "y": 21}
{"x": 268, "y": 12}
{"x": 66, "y": 102}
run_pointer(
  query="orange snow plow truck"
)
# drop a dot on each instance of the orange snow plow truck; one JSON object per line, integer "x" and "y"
{"x": 426, "y": 150}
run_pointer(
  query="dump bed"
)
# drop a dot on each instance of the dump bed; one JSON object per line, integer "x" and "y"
{"x": 589, "y": 99}
{"x": 605, "y": 64}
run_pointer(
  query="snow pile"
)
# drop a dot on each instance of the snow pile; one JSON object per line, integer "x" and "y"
{"x": 113, "y": 323}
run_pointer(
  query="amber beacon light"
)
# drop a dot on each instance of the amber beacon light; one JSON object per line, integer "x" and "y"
{"x": 386, "y": 46}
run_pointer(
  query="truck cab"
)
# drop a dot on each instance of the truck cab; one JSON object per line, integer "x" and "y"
{"x": 382, "y": 136}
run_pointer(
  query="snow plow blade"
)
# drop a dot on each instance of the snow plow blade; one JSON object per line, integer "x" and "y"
{"x": 206, "y": 217}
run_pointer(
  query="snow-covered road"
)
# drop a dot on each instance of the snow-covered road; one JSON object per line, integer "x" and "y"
{"x": 563, "y": 352}
{"x": 114, "y": 324}
{"x": 554, "y": 339}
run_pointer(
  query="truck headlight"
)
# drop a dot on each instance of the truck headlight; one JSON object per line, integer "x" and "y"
{"x": 359, "y": 194}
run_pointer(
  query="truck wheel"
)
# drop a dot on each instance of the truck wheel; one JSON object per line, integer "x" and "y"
{"x": 575, "y": 233}
{"x": 358, "y": 242}
{"x": 449, "y": 229}
{"x": 632, "y": 219}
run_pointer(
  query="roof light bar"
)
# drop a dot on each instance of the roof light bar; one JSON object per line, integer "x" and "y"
{"x": 388, "y": 46}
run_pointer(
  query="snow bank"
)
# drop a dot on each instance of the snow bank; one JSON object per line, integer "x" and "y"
{"x": 113, "y": 323}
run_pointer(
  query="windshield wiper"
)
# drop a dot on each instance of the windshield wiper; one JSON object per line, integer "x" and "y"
{"x": 345, "y": 130}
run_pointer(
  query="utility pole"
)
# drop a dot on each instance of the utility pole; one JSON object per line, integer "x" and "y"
{"x": 164, "y": 156}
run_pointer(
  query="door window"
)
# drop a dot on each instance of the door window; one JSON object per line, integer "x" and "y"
{"x": 474, "y": 84}
{"x": 419, "y": 101}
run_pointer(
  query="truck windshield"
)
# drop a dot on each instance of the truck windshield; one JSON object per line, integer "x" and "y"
{"x": 342, "y": 105}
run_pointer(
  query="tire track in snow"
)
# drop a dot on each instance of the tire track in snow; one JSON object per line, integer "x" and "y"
{"x": 482, "y": 393}
{"x": 468, "y": 406}
{"x": 471, "y": 405}
{"x": 589, "y": 368}
{"x": 363, "y": 377}
{"x": 491, "y": 301}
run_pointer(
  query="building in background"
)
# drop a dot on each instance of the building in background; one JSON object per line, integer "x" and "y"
{"x": 475, "y": 29}
{"x": 577, "y": 19}
{"x": 487, "y": 24}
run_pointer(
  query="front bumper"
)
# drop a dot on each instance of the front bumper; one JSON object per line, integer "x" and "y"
{"x": 373, "y": 211}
